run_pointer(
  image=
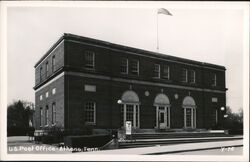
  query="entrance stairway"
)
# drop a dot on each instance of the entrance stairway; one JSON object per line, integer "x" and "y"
{"x": 146, "y": 139}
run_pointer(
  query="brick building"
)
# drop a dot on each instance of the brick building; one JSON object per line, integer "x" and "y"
{"x": 82, "y": 81}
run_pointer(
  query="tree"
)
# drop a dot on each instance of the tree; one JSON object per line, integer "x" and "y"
{"x": 234, "y": 121}
{"x": 19, "y": 114}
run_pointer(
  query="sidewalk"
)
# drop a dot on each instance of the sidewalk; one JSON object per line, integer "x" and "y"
{"x": 170, "y": 148}
{"x": 22, "y": 145}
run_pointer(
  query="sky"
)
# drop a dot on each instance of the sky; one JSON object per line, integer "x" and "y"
{"x": 208, "y": 35}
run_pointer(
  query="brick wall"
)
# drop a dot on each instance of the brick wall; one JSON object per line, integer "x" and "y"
{"x": 58, "y": 52}
{"x": 108, "y": 112}
{"x": 57, "y": 98}
{"x": 108, "y": 62}
{"x": 71, "y": 97}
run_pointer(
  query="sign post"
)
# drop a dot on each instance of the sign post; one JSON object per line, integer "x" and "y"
{"x": 128, "y": 128}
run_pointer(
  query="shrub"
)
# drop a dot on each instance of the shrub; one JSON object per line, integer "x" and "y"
{"x": 86, "y": 130}
{"x": 16, "y": 131}
{"x": 52, "y": 134}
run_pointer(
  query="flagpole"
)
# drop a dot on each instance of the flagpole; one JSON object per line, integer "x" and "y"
{"x": 157, "y": 33}
{"x": 160, "y": 11}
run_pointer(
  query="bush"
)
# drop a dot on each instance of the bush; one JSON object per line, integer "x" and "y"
{"x": 235, "y": 131}
{"x": 51, "y": 135}
{"x": 16, "y": 131}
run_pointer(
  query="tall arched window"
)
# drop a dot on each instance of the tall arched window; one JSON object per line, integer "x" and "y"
{"x": 130, "y": 108}
{"x": 189, "y": 112}
{"x": 162, "y": 105}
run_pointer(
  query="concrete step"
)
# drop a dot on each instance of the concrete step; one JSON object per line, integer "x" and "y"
{"x": 176, "y": 135}
{"x": 171, "y": 141}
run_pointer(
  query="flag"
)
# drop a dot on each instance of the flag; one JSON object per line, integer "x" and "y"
{"x": 163, "y": 11}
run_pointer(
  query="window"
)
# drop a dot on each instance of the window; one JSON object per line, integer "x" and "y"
{"x": 47, "y": 94}
{"x": 54, "y": 91}
{"x": 135, "y": 67}
{"x": 46, "y": 115}
{"x": 40, "y": 117}
{"x": 89, "y": 58}
{"x": 90, "y": 108}
{"x": 122, "y": 114}
{"x": 130, "y": 112}
{"x": 53, "y": 113}
{"x": 214, "y": 80}
{"x": 137, "y": 116}
{"x": 41, "y": 70}
{"x": 41, "y": 97}
{"x": 216, "y": 116}
{"x": 47, "y": 68}
{"x": 124, "y": 66}
{"x": 53, "y": 63}
{"x": 166, "y": 73}
{"x": 157, "y": 71}
{"x": 184, "y": 75}
{"x": 192, "y": 76}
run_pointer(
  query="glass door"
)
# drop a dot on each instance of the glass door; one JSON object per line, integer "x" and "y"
{"x": 188, "y": 117}
{"x": 162, "y": 117}
{"x": 130, "y": 114}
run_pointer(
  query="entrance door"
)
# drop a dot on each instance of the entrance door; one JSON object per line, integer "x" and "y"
{"x": 163, "y": 117}
{"x": 130, "y": 112}
{"x": 190, "y": 117}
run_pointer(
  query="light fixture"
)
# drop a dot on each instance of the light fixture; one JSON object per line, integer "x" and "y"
{"x": 176, "y": 96}
{"x": 119, "y": 101}
{"x": 222, "y": 108}
{"x": 225, "y": 116}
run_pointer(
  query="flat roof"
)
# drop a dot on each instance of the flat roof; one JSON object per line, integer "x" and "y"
{"x": 68, "y": 36}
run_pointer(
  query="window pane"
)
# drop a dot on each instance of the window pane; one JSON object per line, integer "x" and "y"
{"x": 122, "y": 115}
{"x": 124, "y": 66}
{"x": 188, "y": 117}
{"x": 89, "y": 59}
{"x": 53, "y": 113}
{"x": 166, "y": 71}
{"x": 90, "y": 112}
{"x": 184, "y": 75}
{"x": 41, "y": 69}
{"x": 130, "y": 113}
{"x": 192, "y": 76}
{"x": 162, "y": 117}
{"x": 137, "y": 116}
{"x": 41, "y": 115}
{"x": 156, "y": 70}
{"x": 47, "y": 68}
{"x": 214, "y": 80}
{"x": 53, "y": 63}
{"x": 46, "y": 115}
{"x": 135, "y": 67}
{"x": 168, "y": 115}
{"x": 54, "y": 91}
